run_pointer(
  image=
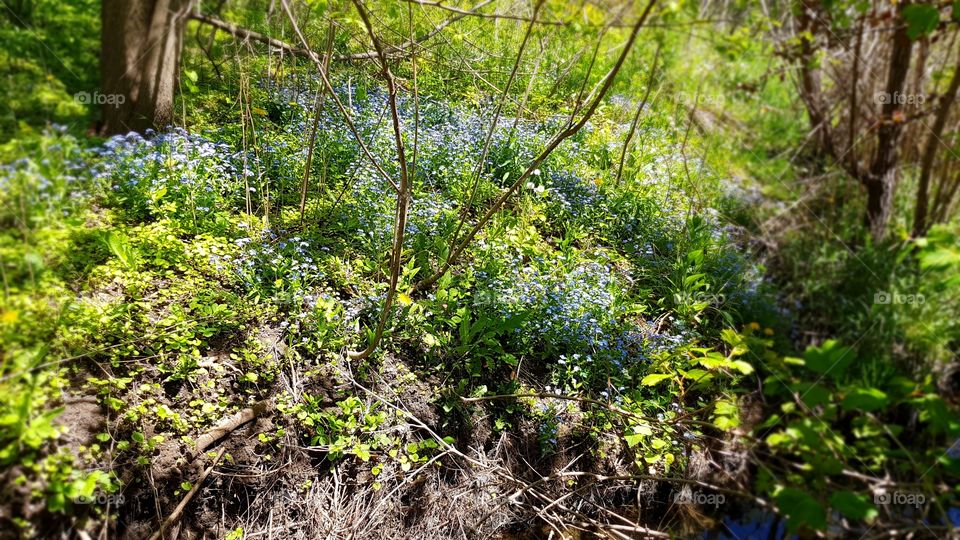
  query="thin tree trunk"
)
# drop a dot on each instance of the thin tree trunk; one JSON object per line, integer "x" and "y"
{"x": 881, "y": 181}
{"x": 920, "y": 222}
{"x": 811, "y": 91}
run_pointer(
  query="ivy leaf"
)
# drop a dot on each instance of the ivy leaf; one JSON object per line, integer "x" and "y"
{"x": 865, "y": 399}
{"x": 854, "y": 505}
{"x": 922, "y": 19}
{"x": 801, "y": 510}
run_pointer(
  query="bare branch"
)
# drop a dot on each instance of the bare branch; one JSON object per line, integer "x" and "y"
{"x": 636, "y": 117}
{"x": 343, "y": 110}
{"x": 403, "y": 196}
{"x": 393, "y": 52}
{"x": 551, "y": 146}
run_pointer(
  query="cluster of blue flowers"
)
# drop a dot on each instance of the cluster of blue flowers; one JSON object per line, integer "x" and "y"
{"x": 51, "y": 183}
{"x": 275, "y": 263}
{"x": 571, "y": 197}
{"x": 191, "y": 173}
{"x": 569, "y": 307}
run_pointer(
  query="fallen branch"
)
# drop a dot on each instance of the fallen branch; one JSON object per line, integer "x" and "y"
{"x": 230, "y": 424}
{"x": 175, "y": 515}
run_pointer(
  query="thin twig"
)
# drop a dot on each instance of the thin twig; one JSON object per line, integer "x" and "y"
{"x": 175, "y": 515}
{"x": 535, "y": 165}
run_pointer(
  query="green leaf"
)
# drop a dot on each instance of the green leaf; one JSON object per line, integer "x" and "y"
{"x": 829, "y": 359}
{"x": 812, "y": 394}
{"x": 120, "y": 246}
{"x": 654, "y": 379}
{"x": 800, "y": 509}
{"x": 853, "y": 505}
{"x": 922, "y": 19}
{"x": 640, "y": 433}
{"x": 743, "y": 367}
{"x": 865, "y": 399}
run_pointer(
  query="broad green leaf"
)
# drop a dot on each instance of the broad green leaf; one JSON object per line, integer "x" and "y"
{"x": 812, "y": 394}
{"x": 633, "y": 440}
{"x": 865, "y": 399}
{"x": 829, "y": 359}
{"x": 853, "y": 505}
{"x": 922, "y": 19}
{"x": 801, "y": 510}
{"x": 743, "y": 367}
{"x": 654, "y": 379}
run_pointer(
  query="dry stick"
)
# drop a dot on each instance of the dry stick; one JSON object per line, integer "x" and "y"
{"x": 551, "y": 146}
{"x": 403, "y": 197}
{"x": 505, "y": 473}
{"x": 546, "y": 22}
{"x": 230, "y": 424}
{"x": 245, "y": 34}
{"x": 175, "y": 515}
{"x": 264, "y": 184}
{"x": 636, "y": 117}
{"x": 561, "y": 75}
{"x": 493, "y": 127}
{"x": 583, "y": 85}
{"x": 318, "y": 103}
{"x": 467, "y": 67}
{"x": 343, "y": 110}
{"x": 243, "y": 136}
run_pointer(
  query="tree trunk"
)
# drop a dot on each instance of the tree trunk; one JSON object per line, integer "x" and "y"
{"x": 881, "y": 181}
{"x": 880, "y": 192}
{"x": 809, "y": 16}
{"x": 139, "y": 62}
{"x": 934, "y": 142}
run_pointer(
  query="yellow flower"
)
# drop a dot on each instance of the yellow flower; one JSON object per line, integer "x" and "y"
{"x": 9, "y": 317}
{"x": 768, "y": 331}
{"x": 404, "y": 299}
{"x": 754, "y": 326}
